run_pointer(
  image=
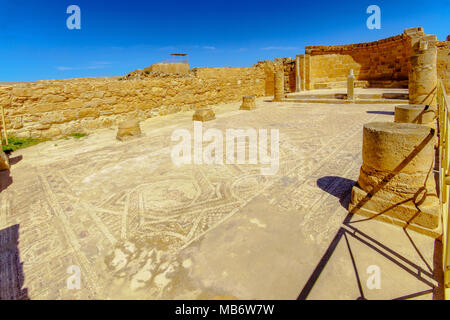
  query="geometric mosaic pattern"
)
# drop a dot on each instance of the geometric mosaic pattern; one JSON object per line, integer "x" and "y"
{"x": 121, "y": 212}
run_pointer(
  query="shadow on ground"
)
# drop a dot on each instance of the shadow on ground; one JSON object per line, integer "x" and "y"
{"x": 349, "y": 231}
{"x": 341, "y": 188}
{"x": 5, "y": 175}
{"x": 338, "y": 187}
{"x": 388, "y": 113}
{"x": 11, "y": 269}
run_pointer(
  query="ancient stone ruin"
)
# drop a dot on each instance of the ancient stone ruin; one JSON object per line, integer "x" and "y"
{"x": 396, "y": 183}
{"x": 128, "y": 129}
{"x": 212, "y": 223}
{"x": 248, "y": 103}
{"x": 54, "y": 108}
{"x": 203, "y": 114}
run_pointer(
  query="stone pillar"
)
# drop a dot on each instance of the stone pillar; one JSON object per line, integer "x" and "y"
{"x": 396, "y": 182}
{"x": 297, "y": 75}
{"x": 350, "y": 85}
{"x": 204, "y": 114}
{"x": 248, "y": 103}
{"x": 415, "y": 113}
{"x": 278, "y": 94}
{"x": 308, "y": 81}
{"x": 423, "y": 73}
{"x": 128, "y": 129}
{"x": 302, "y": 72}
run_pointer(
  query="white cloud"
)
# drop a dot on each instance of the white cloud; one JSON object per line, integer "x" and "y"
{"x": 168, "y": 48}
{"x": 101, "y": 63}
{"x": 280, "y": 48}
{"x": 93, "y": 65}
{"x": 64, "y": 68}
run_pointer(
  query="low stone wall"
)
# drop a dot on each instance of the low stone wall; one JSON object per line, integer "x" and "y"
{"x": 173, "y": 67}
{"x": 58, "y": 107}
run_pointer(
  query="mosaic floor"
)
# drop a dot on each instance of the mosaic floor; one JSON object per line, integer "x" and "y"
{"x": 136, "y": 226}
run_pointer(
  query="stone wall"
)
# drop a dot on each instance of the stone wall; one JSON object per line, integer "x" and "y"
{"x": 58, "y": 107}
{"x": 289, "y": 75}
{"x": 383, "y": 63}
{"x": 172, "y": 67}
{"x": 271, "y": 67}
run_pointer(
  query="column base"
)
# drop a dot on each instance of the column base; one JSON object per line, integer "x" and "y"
{"x": 128, "y": 129}
{"x": 423, "y": 218}
{"x": 4, "y": 161}
{"x": 248, "y": 103}
{"x": 204, "y": 114}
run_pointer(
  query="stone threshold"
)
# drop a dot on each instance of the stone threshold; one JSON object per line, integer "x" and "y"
{"x": 357, "y": 101}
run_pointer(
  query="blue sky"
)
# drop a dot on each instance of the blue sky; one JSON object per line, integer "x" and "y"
{"x": 120, "y": 36}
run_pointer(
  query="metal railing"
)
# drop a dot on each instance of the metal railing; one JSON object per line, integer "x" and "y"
{"x": 444, "y": 178}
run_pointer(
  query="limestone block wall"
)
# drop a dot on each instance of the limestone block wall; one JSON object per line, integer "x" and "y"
{"x": 270, "y": 68}
{"x": 57, "y": 107}
{"x": 289, "y": 75}
{"x": 173, "y": 67}
{"x": 383, "y": 63}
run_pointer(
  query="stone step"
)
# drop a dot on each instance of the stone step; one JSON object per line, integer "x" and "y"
{"x": 343, "y": 101}
{"x": 343, "y": 96}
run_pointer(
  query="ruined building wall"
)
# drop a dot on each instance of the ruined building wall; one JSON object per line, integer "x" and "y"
{"x": 57, "y": 107}
{"x": 289, "y": 75}
{"x": 443, "y": 63}
{"x": 173, "y": 67}
{"x": 383, "y": 63}
{"x": 271, "y": 67}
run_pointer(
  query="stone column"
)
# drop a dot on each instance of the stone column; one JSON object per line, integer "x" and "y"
{"x": 396, "y": 182}
{"x": 302, "y": 72}
{"x": 415, "y": 113}
{"x": 278, "y": 94}
{"x": 350, "y": 85}
{"x": 4, "y": 161}
{"x": 423, "y": 73}
{"x": 248, "y": 103}
{"x": 297, "y": 75}
{"x": 307, "y": 76}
